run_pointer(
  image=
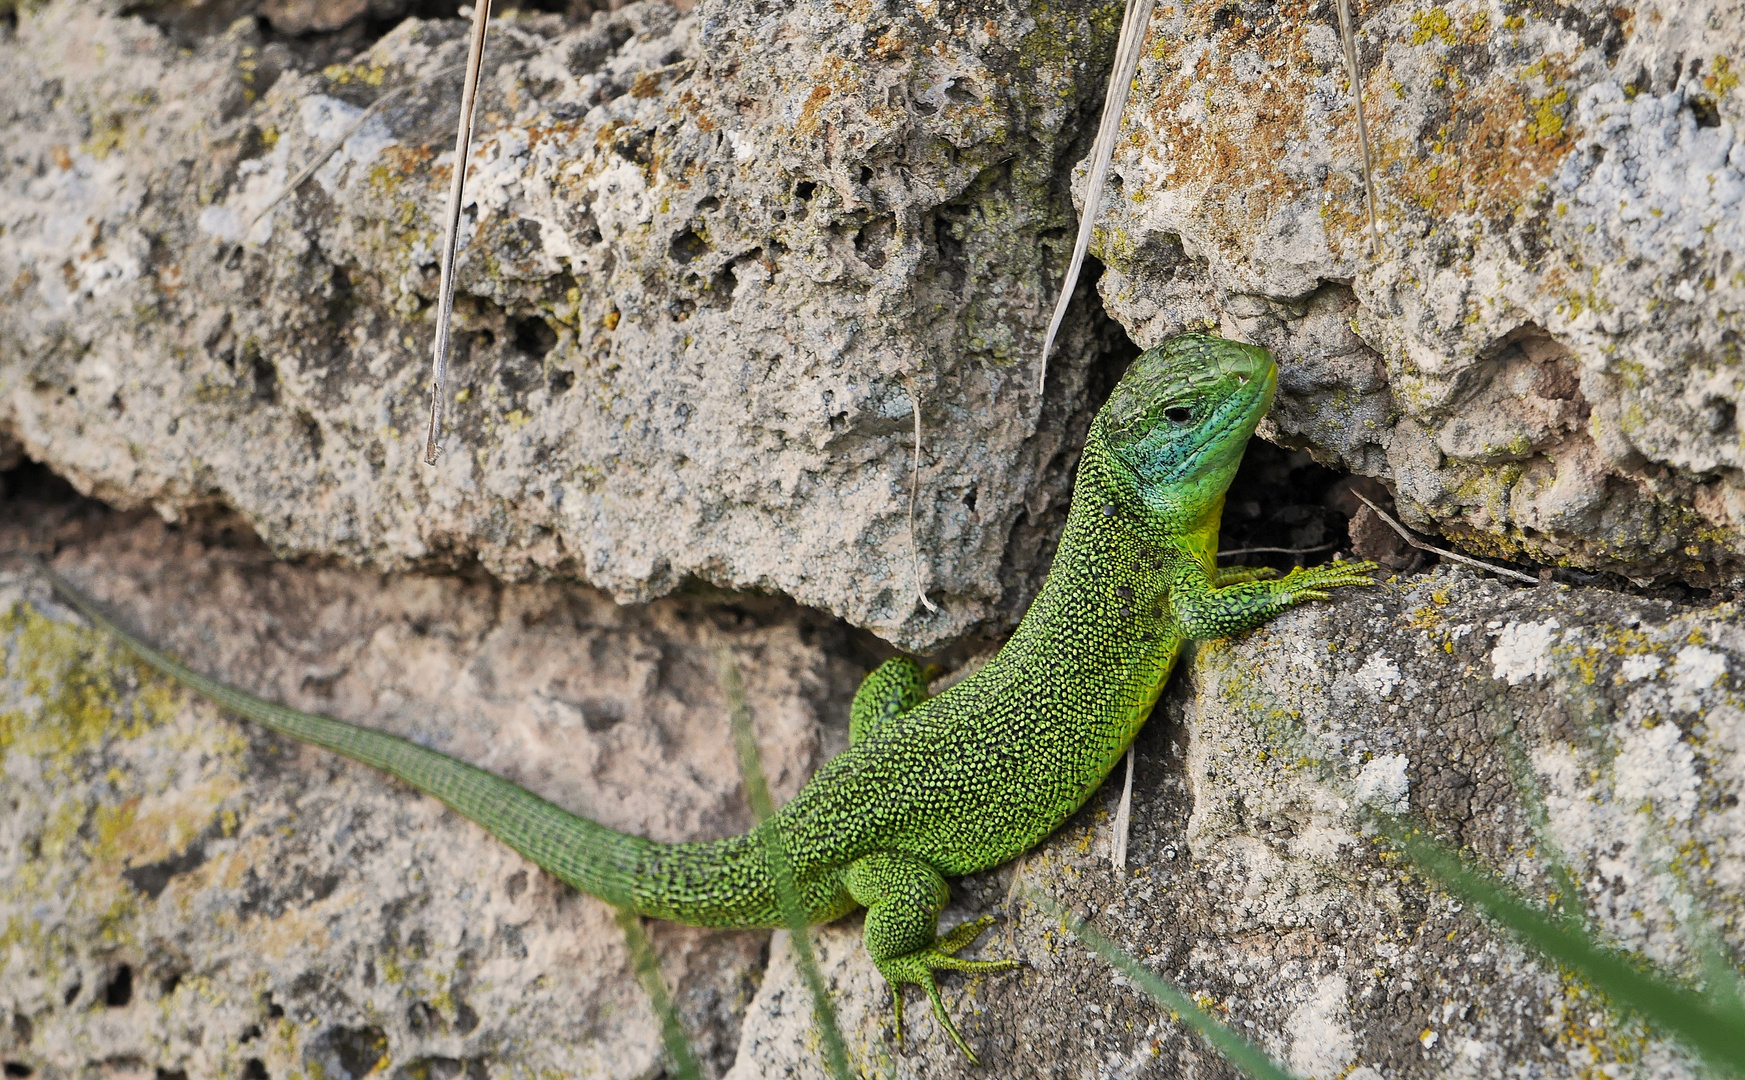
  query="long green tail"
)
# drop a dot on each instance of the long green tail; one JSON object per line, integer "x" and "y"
{"x": 600, "y": 861}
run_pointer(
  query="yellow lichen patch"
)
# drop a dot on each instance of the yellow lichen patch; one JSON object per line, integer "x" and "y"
{"x": 1721, "y": 77}
{"x": 1500, "y": 143}
{"x": 108, "y": 134}
{"x": 1434, "y": 23}
{"x": 74, "y": 685}
{"x": 1547, "y": 115}
{"x": 368, "y": 74}
{"x": 1424, "y": 618}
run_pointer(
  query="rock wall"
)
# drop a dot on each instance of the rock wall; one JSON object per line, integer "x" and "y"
{"x": 1527, "y": 725}
{"x": 712, "y": 259}
{"x": 1542, "y": 356}
{"x": 710, "y": 262}
{"x": 186, "y": 894}
{"x": 183, "y": 893}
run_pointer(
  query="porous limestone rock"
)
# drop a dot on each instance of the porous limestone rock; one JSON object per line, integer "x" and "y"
{"x": 1542, "y": 356}
{"x": 709, "y": 261}
{"x": 185, "y": 895}
{"x": 1525, "y": 725}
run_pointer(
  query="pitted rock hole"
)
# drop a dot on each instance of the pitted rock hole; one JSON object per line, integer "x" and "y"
{"x": 870, "y": 242}
{"x": 153, "y": 878}
{"x": 360, "y": 1050}
{"x": 1524, "y": 398}
{"x": 119, "y": 992}
{"x": 533, "y": 335}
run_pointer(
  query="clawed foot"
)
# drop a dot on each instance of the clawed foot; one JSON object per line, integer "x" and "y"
{"x": 918, "y": 968}
{"x": 1312, "y": 582}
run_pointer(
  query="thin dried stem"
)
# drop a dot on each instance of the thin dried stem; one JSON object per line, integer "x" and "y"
{"x": 463, "y": 141}
{"x": 1454, "y": 556}
{"x": 914, "y": 491}
{"x": 1123, "y": 820}
{"x": 1349, "y": 37}
{"x": 1278, "y": 550}
{"x": 1128, "y": 49}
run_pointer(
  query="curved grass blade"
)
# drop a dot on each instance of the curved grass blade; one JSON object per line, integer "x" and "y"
{"x": 787, "y": 890}
{"x": 1237, "y": 1050}
{"x": 647, "y": 967}
{"x": 1711, "y": 1025}
{"x": 463, "y": 142}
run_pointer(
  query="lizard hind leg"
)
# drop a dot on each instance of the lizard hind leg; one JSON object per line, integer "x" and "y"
{"x": 903, "y": 897}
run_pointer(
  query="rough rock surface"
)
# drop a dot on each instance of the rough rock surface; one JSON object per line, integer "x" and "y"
{"x": 274, "y": 905}
{"x": 183, "y": 893}
{"x": 1543, "y": 356}
{"x": 1254, "y": 887}
{"x": 708, "y": 259}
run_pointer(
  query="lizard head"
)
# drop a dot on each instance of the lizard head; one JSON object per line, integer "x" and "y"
{"x": 1180, "y": 418}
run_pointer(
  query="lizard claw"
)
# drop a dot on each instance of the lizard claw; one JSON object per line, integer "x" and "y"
{"x": 1312, "y": 582}
{"x": 918, "y": 968}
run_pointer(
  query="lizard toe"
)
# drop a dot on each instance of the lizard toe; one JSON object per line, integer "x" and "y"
{"x": 962, "y": 936}
{"x": 918, "y": 967}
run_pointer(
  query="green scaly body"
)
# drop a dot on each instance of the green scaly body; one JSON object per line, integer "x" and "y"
{"x": 943, "y": 786}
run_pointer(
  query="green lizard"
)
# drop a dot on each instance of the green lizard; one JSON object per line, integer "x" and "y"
{"x": 937, "y": 787}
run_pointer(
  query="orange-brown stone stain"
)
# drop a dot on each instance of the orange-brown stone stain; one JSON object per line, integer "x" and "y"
{"x": 1246, "y": 129}
{"x": 1501, "y": 142}
{"x": 831, "y": 77}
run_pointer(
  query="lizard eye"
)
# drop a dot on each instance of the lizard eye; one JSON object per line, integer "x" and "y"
{"x": 1178, "y": 414}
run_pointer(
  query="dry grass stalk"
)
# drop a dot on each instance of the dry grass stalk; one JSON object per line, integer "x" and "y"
{"x": 463, "y": 141}
{"x": 1349, "y": 37}
{"x": 1127, "y": 52}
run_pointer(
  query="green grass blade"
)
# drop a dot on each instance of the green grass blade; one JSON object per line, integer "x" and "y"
{"x": 787, "y": 890}
{"x": 1710, "y": 1025}
{"x": 647, "y": 967}
{"x": 1238, "y": 1051}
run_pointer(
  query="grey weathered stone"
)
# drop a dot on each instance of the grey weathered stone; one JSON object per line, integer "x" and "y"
{"x": 1257, "y": 884}
{"x": 235, "y": 875}
{"x": 705, "y": 258}
{"x": 707, "y": 252}
{"x": 271, "y": 902}
{"x": 1543, "y": 356}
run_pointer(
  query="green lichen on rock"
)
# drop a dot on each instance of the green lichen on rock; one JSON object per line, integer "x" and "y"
{"x": 78, "y": 689}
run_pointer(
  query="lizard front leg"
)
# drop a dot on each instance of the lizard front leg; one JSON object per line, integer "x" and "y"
{"x": 1206, "y": 607}
{"x": 903, "y": 897}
